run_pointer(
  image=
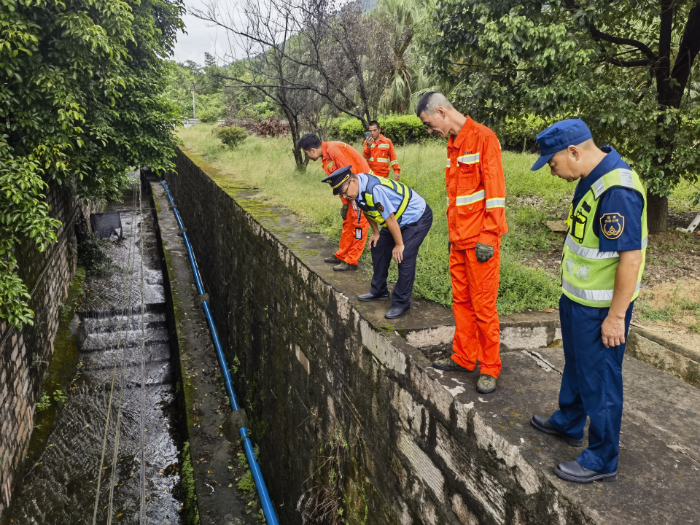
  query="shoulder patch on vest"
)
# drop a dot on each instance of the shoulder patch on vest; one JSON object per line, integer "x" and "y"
{"x": 612, "y": 225}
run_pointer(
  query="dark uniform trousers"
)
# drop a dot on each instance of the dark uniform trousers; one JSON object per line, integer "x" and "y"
{"x": 591, "y": 384}
{"x": 413, "y": 235}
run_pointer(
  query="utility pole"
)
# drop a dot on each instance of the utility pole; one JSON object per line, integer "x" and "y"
{"x": 194, "y": 104}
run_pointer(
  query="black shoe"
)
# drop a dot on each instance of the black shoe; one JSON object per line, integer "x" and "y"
{"x": 574, "y": 471}
{"x": 449, "y": 365}
{"x": 345, "y": 267}
{"x": 396, "y": 311}
{"x": 542, "y": 424}
{"x": 332, "y": 260}
{"x": 374, "y": 297}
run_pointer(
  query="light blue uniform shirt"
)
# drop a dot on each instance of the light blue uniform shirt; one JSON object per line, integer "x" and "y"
{"x": 391, "y": 201}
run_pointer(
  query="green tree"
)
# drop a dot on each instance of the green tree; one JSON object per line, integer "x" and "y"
{"x": 80, "y": 103}
{"x": 624, "y": 67}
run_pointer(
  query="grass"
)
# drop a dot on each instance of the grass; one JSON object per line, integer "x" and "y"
{"x": 532, "y": 198}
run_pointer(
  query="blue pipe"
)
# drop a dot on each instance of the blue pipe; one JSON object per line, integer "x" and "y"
{"x": 222, "y": 359}
{"x": 267, "y": 506}
{"x": 195, "y": 270}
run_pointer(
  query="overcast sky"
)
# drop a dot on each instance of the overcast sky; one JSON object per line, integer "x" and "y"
{"x": 200, "y": 38}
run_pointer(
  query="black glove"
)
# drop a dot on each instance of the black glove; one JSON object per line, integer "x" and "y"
{"x": 344, "y": 211}
{"x": 483, "y": 252}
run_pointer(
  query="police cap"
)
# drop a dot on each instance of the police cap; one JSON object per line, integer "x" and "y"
{"x": 338, "y": 178}
{"x": 558, "y": 137}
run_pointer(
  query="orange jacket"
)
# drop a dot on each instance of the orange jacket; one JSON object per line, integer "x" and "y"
{"x": 337, "y": 155}
{"x": 381, "y": 155}
{"x": 476, "y": 187}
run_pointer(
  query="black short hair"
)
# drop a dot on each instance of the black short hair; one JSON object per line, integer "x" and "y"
{"x": 423, "y": 102}
{"x": 309, "y": 141}
{"x": 374, "y": 123}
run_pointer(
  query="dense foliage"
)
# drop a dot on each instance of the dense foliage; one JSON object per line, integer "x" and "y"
{"x": 628, "y": 69}
{"x": 399, "y": 128}
{"x": 81, "y": 101}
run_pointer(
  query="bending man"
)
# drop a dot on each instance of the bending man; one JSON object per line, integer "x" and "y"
{"x": 407, "y": 219}
{"x": 353, "y": 237}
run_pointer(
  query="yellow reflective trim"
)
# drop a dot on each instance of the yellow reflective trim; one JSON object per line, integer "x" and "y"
{"x": 496, "y": 203}
{"x": 385, "y": 146}
{"x": 448, "y": 163}
{"x": 470, "y": 199}
{"x": 379, "y": 159}
{"x": 393, "y": 162}
{"x": 469, "y": 159}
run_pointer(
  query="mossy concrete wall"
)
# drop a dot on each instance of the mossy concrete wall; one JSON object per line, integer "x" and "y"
{"x": 26, "y": 352}
{"x": 347, "y": 415}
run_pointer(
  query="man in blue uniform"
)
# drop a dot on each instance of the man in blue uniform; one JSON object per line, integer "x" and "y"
{"x": 601, "y": 272}
{"x": 407, "y": 219}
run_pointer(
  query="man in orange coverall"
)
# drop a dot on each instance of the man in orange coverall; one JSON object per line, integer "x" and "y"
{"x": 379, "y": 152}
{"x": 476, "y": 219}
{"x": 353, "y": 238}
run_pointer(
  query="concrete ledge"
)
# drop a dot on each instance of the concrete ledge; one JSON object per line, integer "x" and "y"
{"x": 679, "y": 361}
{"x": 324, "y": 376}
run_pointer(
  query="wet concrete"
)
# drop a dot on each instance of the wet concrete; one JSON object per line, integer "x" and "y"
{"x": 60, "y": 487}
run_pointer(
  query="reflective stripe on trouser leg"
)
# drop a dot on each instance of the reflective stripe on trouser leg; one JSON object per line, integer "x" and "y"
{"x": 351, "y": 249}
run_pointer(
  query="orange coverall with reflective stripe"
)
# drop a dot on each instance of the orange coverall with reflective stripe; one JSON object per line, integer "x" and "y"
{"x": 476, "y": 193}
{"x": 337, "y": 155}
{"x": 380, "y": 155}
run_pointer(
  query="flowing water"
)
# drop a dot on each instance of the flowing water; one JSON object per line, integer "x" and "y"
{"x": 124, "y": 363}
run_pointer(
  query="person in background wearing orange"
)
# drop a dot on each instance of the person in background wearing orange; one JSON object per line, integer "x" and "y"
{"x": 335, "y": 155}
{"x": 379, "y": 152}
{"x": 476, "y": 219}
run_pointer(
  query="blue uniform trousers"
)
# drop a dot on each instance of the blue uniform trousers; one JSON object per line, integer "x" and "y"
{"x": 413, "y": 235}
{"x": 591, "y": 384}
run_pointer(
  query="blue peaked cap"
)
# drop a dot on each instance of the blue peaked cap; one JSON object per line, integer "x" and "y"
{"x": 338, "y": 178}
{"x": 558, "y": 137}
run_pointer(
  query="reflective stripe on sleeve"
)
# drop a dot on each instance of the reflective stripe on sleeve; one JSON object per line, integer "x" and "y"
{"x": 393, "y": 162}
{"x": 495, "y": 203}
{"x": 469, "y": 199}
{"x": 468, "y": 159}
{"x": 448, "y": 163}
{"x": 371, "y": 159}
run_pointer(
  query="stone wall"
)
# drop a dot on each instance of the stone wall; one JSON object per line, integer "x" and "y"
{"x": 25, "y": 352}
{"x": 346, "y": 412}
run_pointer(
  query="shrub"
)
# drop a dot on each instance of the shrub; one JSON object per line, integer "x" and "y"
{"x": 399, "y": 128}
{"x": 231, "y": 136}
{"x": 207, "y": 115}
{"x": 271, "y": 127}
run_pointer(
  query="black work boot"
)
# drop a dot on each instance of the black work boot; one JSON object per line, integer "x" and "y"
{"x": 345, "y": 267}
{"x": 332, "y": 260}
{"x": 542, "y": 424}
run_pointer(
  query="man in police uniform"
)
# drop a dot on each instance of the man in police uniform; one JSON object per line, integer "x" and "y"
{"x": 601, "y": 271}
{"x": 407, "y": 219}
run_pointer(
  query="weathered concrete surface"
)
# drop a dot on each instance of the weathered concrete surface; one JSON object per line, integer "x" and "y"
{"x": 323, "y": 377}
{"x": 204, "y": 403}
{"x": 680, "y": 361}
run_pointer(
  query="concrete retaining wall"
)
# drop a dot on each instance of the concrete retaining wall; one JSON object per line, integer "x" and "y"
{"x": 346, "y": 413}
{"x": 25, "y": 352}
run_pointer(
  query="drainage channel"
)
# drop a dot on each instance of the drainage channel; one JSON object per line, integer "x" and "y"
{"x": 265, "y": 500}
{"x": 115, "y": 348}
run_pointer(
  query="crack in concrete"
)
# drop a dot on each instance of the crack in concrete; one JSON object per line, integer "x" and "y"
{"x": 541, "y": 361}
